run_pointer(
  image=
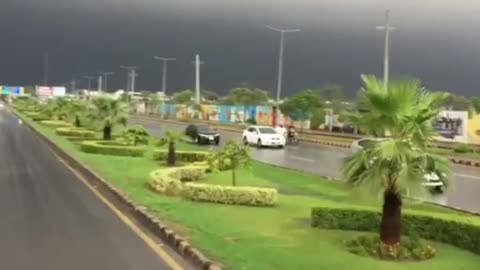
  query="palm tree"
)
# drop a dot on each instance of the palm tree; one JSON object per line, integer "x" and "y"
{"x": 108, "y": 112}
{"x": 171, "y": 138}
{"x": 77, "y": 109}
{"x": 396, "y": 164}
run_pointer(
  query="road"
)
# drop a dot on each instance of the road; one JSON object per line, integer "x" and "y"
{"x": 51, "y": 220}
{"x": 327, "y": 161}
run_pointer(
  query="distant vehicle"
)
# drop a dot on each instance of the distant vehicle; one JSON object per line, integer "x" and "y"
{"x": 263, "y": 136}
{"x": 202, "y": 134}
{"x": 432, "y": 180}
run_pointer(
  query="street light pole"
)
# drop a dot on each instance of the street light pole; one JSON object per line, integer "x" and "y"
{"x": 164, "y": 72}
{"x": 73, "y": 85}
{"x": 281, "y": 56}
{"x": 197, "y": 63}
{"x": 387, "y": 28}
{"x": 89, "y": 82}
{"x": 105, "y": 79}
{"x": 131, "y": 75}
{"x": 45, "y": 68}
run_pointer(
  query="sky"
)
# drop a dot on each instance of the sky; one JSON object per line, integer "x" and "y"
{"x": 437, "y": 41}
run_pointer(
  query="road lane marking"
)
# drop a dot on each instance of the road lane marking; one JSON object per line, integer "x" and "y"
{"x": 467, "y": 176}
{"x": 303, "y": 159}
{"x": 139, "y": 232}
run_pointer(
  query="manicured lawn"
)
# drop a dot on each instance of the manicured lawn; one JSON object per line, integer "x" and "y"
{"x": 263, "y": 238}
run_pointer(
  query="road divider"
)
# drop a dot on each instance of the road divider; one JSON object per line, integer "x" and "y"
{"x": 455, "y": 160}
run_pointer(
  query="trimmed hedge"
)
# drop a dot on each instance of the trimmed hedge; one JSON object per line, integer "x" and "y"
{"x": 252, "y": 196}
{"x": 185, "y": 156}
{"x": 111, "y": 148}
{"x": 458, "y": 231}
{"x": 55, "y": 123}
{"x": 171, "y": 182}
{"x": 75, "y": 132}
{"x": 39, "y": 118}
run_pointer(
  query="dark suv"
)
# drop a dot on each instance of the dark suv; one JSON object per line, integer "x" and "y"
{"x": 202, "y": 134}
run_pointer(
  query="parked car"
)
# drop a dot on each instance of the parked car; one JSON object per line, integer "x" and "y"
{"x": 432, "y": 180}
{"x": 202, "y": 134}
{"x": 263, "y": 136}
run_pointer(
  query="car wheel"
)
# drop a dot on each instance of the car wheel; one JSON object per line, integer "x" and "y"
{"x": 199, "y": 140}
{"x": 439, "y": 189}
{"x": 245, "y": 142}
{"x": 217, "y": 141}
{"x": 259, "y": 143}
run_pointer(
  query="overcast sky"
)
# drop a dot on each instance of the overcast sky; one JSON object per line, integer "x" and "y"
{"x": 436, "y": 40}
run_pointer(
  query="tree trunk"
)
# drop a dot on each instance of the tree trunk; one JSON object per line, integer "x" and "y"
{"x": 390, "y": 226}
{"x": 171, "y": 159}
{"x": 77, "y": 121}
{"x": 234, "y": 180}
{"x": 107, "y": 133}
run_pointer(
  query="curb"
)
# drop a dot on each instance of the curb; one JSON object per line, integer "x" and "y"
{"x": 465, "y": 162}
{"x": 139, "y": 212}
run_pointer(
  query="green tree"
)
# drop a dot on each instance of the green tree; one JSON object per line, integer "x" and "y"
{"x": 108, "y": 113}
{"x": 77, "y": 110}
{"x": 183, "y": 97}
{"x": 236, "y": 155}
{"x": 242, "y": 96}
{"x": 331, "y": 92}
{"x": 171, "y": 138}
{"x": 397, "y": 164}
{"x": 476, "y": 104}
{"x": 301, "y": 106}
{"x": 136, "y": 135}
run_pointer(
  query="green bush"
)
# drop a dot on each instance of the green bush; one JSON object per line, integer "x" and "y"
{"x": 462, "y": 148}
{"x": 40, "y": 118}
{"x": 111, "y": 148}
{"x": 252, "y": 196}
{"x": 75, "y": 132}
{"x": 30, "y": 114}
{"x": 169, "y": 181}
{"x": 55, "y": 123}
{"x": 457, "y": 231}
{"x": 183, "y": 156}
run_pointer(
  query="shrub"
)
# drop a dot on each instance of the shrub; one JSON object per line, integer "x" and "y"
{"x": 184, "y": 156}
{"x": 135, "y": 135}
{"x": 409, "y": 249}
{"x": 75, "y": 132}
{"x": 39, "y": 118}
{"x": 192, "y": 132}
{"x": 461, "y": 232}
{"x": 169, "y": 181}
{"x": 252, "y": 196}
{"x": 55, "y": 123}
{"x": 111, "y": 148}
{"x": 462, "y": 148}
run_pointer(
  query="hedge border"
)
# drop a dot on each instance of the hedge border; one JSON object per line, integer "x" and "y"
{"x": 177, "y": 242}
{"x": 55, "y": 123}
{"x": 182, "y": 155}
{"x": 103, "y": 148}
{"x": 75, "y": 132}
{"x": 465, "y": 233}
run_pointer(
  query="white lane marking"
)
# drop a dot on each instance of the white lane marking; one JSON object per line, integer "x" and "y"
{"x": 466, "y": 176}
{"x": 303, "y": 159}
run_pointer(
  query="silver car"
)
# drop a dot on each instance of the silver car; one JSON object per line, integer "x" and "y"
{"x": 432, "y": 180}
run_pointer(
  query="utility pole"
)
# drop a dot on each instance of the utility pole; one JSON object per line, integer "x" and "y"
{"x": 89, "y": 82}
{"x": 387, "y": 28}
{"x": 164, "y": 72}
{"x": 197, "y": 63}
{"x": 105, "y": 79}
{"x": 99, "y": 83}
{"x": 45, "y": 69}
{"x": 280, "y": 56}
{"x": 73, "y": 83}
{"x": 131, "y": 75}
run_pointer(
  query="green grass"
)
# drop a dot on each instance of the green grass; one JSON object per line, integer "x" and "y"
{"x": 263, "y": 238}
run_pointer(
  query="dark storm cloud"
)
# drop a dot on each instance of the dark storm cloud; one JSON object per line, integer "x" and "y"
{"x": 435, "y": 41}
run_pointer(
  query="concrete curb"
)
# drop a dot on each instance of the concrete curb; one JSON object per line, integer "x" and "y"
{"x": 139, "y": 212}
{"x": 455, "y": 160}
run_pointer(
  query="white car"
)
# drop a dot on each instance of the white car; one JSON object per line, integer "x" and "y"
{"x": 432, "y": 180}
{"x": 263, "y": 136}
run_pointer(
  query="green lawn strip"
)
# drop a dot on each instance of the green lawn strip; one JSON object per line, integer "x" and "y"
{"x": 451, "y": 153}
{"x": 262, "y": 238}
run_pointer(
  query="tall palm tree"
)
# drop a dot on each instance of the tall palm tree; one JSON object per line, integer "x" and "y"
{"x": 396, "y": 164}
{"x": 171, "y": 139}
{"x": 107, "y": 113}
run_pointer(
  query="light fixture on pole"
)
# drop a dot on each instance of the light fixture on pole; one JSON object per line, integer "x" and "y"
{"x": 105, "y": 80}
{"x": 387, "y": 28}
{"x": 164, "y": 72}
{"x": 280, "y": 56}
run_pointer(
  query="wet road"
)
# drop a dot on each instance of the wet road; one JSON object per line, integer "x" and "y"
{"x": 50, "y": 220}
{"x": 327, "y": 161}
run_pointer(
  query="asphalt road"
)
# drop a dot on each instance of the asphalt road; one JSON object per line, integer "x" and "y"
{"x": 51, "y": 220}
{"x": 327, "y": 161}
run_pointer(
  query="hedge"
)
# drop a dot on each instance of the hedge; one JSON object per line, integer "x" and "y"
{"x": 252, "y": 196}
{"x": 171, "y": 181}
{"x": 462, "y": 232}
{"x": 55, "y": 123}
{"x": 75, "y": 132}
{"x": 111, "y": 148}
{"x": 185, "y": 156}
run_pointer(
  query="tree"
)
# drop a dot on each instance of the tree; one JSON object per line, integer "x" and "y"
{"x": 476, "y": 104}
{"x": 136, "y": 135}
{"x": 108, "y": 112}
{"x": 236, "y": 155}
{"x": 171, "y": 138}
{"x": 396, "y": 164}
{"x": 301, "y": 106}
{"x": 332, "y": 92}
{"x": 183, "y": 97}
{"x": 77, "y": 110}
{"x": 244, "y": 96}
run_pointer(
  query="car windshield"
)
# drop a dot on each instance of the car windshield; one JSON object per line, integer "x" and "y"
{"x": 267, "y": 130}
{"x": 205, "y": 129}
